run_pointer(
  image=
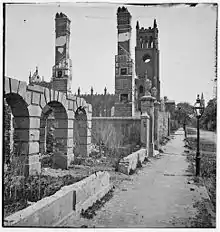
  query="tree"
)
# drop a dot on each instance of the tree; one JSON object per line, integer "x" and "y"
{"x": 183, "y": 114}
{"x": 208, "y": 119}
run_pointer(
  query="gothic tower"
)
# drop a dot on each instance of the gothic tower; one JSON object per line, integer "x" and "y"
{"x": 147, "y": 58}
{"x": 123, "y": 65}
{"x": 62, "y": 70}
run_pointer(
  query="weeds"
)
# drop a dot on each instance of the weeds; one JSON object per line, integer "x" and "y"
{"x": 91, "y": 211}
{"x": 208, "y": 166}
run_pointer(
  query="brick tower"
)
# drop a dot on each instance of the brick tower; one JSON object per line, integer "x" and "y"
{"x": 62, "y": 70}
{"x": 147, "y": 59}
{"x": 123, "y": 65}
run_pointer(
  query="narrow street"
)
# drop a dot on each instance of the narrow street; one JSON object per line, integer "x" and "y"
{"x": 205, "y": 135}
{"x": 161, "y": 194}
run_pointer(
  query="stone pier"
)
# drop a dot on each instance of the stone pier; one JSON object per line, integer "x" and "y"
{"x": 147, "y": 106}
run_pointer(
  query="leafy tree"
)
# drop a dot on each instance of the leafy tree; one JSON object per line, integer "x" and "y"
{"x": 183, "y": 114}
{"x": 209, "y": 117}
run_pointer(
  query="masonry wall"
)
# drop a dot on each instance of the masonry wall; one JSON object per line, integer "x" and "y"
{"x": 128, "y": 127}
{"x": 123, "y": 110}
{"x": 163, "y": 120}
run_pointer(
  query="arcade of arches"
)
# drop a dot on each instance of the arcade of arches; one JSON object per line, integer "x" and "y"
{"x": 30, "y": 108}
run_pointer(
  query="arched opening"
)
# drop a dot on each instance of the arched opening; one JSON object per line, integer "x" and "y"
{"x": 16, "y": 133}
{"x": 80, "y": 133}
{"x": 141, "y": 42}
{"x": 151, "y": 42}
{"x": 146, "y": 58}
{"x": 141, "y": 89}
{"x": 146, "y": 42}
{"x": 53, "y": 129}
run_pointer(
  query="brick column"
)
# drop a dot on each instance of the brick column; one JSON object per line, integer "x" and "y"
{"x": 147, "y": 106}
{"x": 156, "y": 124}
{"x": 27, "y": 149}
{"x": 70, "y": 139}
{"x": 34, "y": 164}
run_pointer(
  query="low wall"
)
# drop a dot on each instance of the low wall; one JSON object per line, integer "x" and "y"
{"x": 69, "y": 200}
{"x": 128, "y": 127}
{"x": 130, "y": 162}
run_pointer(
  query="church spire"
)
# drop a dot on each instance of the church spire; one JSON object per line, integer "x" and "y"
{"x": 30, "y": 77}
{"x": 155, "y": 23}
{"x": 202, "y": 100}
{"x": 137, "y": 26}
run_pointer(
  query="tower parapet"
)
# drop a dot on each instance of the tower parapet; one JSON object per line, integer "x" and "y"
{"x": 147, "y": 59}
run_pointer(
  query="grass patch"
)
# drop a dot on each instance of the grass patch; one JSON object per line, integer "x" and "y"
{"x": 190, "y": 131}
{"x": 18, "y": 190}
{"x": 207, "y": 166}
{"x": 202, "y": 219}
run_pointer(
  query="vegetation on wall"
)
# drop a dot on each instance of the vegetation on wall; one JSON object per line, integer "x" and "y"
{"x": 7, "y": 130}
{"x": 209, "y": 117}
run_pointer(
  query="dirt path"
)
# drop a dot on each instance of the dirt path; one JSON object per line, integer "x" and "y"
{"x": 161, "y": 194}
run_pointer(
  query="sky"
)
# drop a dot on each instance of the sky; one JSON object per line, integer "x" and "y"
{"x": 186, "y": 44}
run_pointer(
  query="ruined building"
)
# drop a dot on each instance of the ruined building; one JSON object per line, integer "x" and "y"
{"x": 62, "y": 70}
{"x": 130, "y": 75}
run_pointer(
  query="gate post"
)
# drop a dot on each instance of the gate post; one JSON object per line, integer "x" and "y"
{"x": 147, "y": 106}
{"x": 156, "y": 126}
{"x": 145, "y": 131}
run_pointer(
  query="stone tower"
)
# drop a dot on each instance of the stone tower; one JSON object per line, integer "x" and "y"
{"x": 123, "y": 65}
{"x": 147, "y": 59}
{"x": 62, "y": 70}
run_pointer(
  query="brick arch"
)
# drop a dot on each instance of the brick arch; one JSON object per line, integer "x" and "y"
{"x": 60, "y": 119}
{"x": 20, "y": 123}
{"x": 36, "y": 99}
{"x": 80, "y": 105}
{"x": 80, "y": 132}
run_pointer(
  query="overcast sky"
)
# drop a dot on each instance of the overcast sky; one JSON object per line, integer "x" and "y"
{"x": 186, "y": 44}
